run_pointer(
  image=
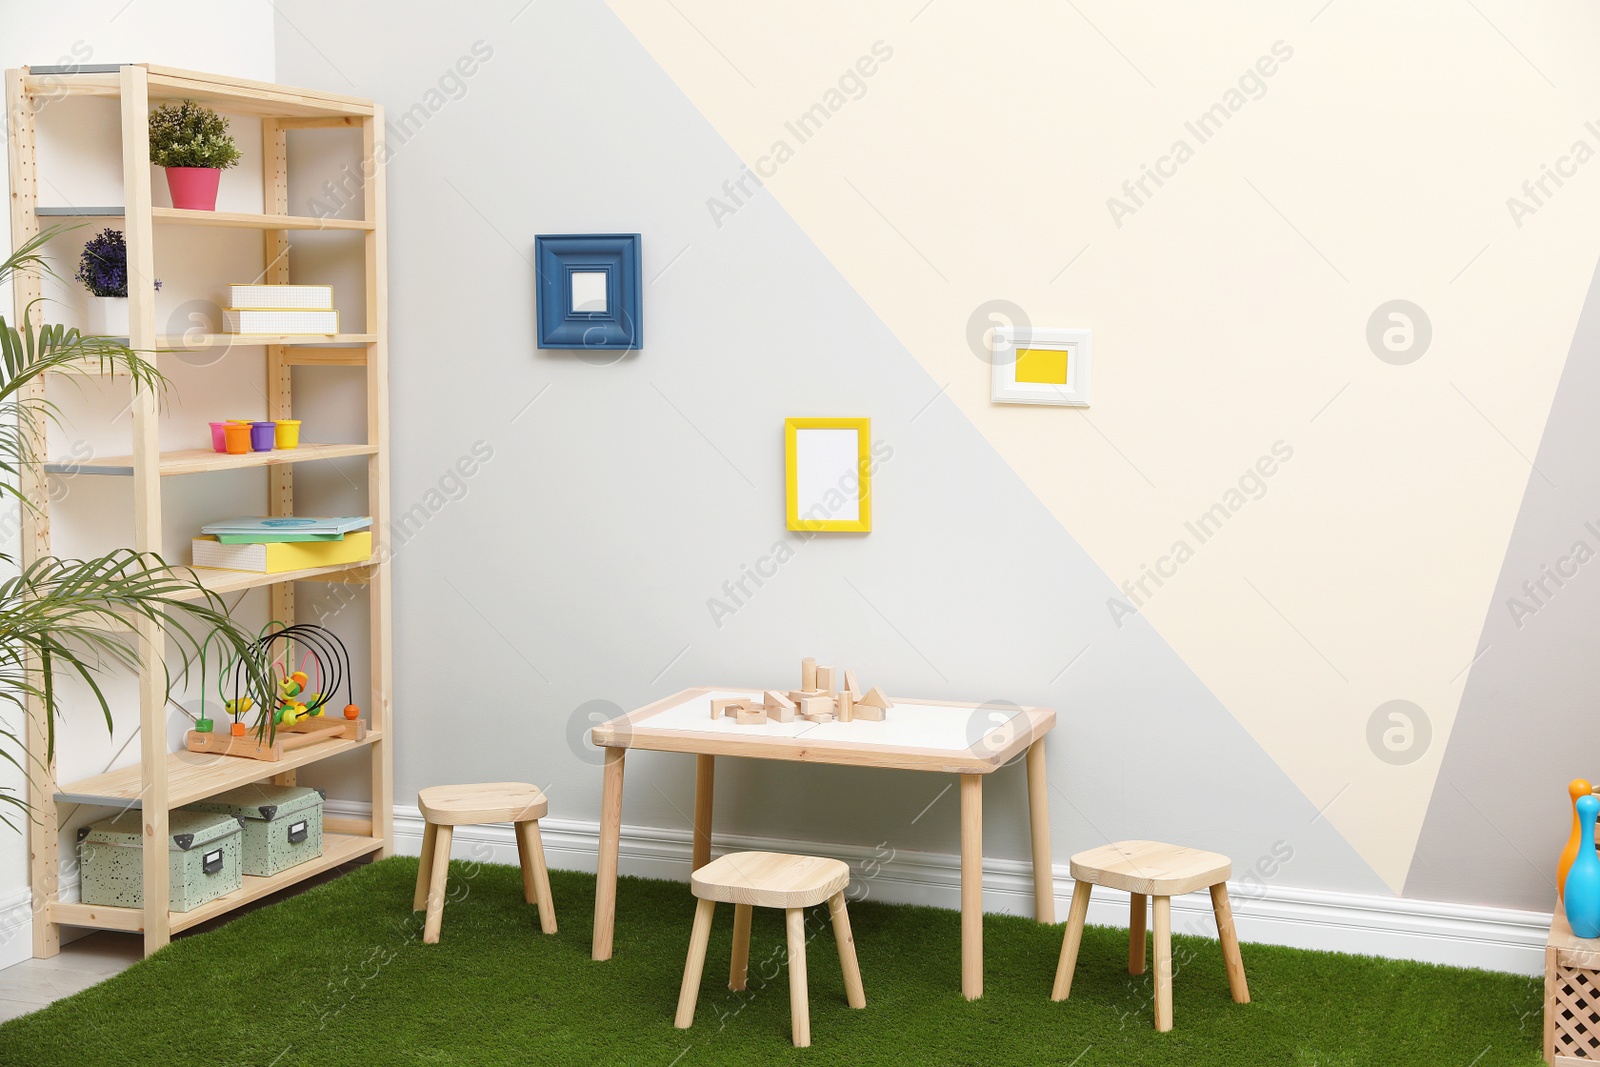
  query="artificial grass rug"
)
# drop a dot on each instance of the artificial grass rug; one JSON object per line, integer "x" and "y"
{"x": 339, "y": 976}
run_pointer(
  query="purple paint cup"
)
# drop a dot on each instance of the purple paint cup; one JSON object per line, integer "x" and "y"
{"x": 263, "y": 435}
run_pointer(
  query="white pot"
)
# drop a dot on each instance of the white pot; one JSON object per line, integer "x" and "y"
{"x": 108, "y": 316}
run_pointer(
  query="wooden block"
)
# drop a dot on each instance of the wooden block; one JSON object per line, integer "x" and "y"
{"x": 808, "y": 673}
{"x": 751, "y": 716}
{"x": 821, "y": 716}
{"x": 774, "y": 699}
{"x": 781, "y": 714}
{"x": 850, "y": 681}
{"x": 723, "y": 705}
{"x": 870, "y": 713}
{"x": 876, "y": 699}
{"x": 846, "y": 706}
{"x": 816, "y": 705}
{"x": 828, "y": 679}
{"x": 797, "y": 695}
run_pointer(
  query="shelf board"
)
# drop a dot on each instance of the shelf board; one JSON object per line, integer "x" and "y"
{"x": 217, "y": 580}
{"x": 189, "y": 342}
{"x": 200, "y": 460}
{"x": 78, "y": 212}
{"x": 193, "y": 776}
{"x": 336, "y": 849}
{"x": 244, "y": 220}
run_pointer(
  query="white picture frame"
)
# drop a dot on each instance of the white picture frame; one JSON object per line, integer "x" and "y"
{"x": 1072, "y": 389}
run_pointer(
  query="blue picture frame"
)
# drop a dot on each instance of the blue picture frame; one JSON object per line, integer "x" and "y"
{"x": 593, "y": 321}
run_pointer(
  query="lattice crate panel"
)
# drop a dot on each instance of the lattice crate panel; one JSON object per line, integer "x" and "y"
{"x": 1574, "y": 1008}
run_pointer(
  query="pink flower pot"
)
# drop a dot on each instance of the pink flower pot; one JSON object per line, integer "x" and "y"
{"x": 194, "y": 188}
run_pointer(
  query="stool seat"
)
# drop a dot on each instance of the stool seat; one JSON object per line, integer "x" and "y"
{"x": 770, "y": 879}
{"x": 470, "y": 805}
{"x": 1151, "y": 868}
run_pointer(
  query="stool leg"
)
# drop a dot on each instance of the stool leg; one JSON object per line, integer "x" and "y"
{"x": 1230, "y": 943}
{"x": 799, "y": 1000}
{"x": 739, "y": 968}
{"x": 436, "y": 884}
{"x": 419, "y": 899}
{"x": 853, "y": 992}
{"x": 690, "y": 991}
{"x": 1163, "y": 911}
{"x": 535, "y": 874}
{"x": 1070, "y": 943}
{"x": 1138, "y": 912}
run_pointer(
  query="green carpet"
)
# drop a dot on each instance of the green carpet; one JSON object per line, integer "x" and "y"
{"x": 339, "y": 976}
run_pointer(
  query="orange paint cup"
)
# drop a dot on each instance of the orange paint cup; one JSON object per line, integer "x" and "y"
{"x": 236, "y": 435}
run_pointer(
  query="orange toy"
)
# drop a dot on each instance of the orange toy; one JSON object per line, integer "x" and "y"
{"x": 1575, "y": 789}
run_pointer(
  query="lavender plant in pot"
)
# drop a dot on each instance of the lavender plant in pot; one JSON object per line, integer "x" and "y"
{"x": 103, "y": 270}
{"x": 191, "y": 141}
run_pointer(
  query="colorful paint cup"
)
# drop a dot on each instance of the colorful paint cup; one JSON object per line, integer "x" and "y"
{"x": 262, "y": 435}
{"x": 237, "y": 437}
{"x": 219, "y": 438}
{"x": 288, "y": 433}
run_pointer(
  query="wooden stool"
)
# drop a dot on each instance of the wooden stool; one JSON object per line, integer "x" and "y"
{"x": 445, "y": 807}
{"x": 1151, "y": 869}
{"x": 770, "y": 880}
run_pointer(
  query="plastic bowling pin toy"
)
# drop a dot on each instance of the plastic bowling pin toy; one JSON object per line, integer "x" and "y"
{"x": 1575, "y": 789}
{"x": 1582, "y": 892}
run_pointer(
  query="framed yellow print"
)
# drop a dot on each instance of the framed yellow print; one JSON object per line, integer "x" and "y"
{"x": 1042, "y": 366}
{"x": 829, "y": 474}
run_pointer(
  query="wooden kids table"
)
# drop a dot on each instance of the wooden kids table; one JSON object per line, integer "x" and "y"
{"x": 918, "y": 735}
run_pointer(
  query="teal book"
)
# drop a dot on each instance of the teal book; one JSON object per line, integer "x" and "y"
{"x": 270, "y": 529}
{"x": 274, "y": 538}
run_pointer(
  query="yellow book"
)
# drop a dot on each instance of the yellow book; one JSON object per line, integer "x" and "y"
{"x": 284, "y": 555}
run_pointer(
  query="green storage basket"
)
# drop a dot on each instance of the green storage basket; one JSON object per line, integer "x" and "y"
{"x": 204, "y": 859}
{"x": 282, "y": 824}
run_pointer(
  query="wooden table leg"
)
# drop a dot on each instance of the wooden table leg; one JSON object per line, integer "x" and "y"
{"x": 704, "y": 769}
{"x": 438, "y": 883}
{"x": 1044, "y": 880}
{"x": 605, "y": 888}
{"x": 972, "y": 886}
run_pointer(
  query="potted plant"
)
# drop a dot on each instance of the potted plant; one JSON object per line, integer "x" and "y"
{"x": 103, "y": 270}
{"x": 191, "y": 141}
{"x": 54, "y": 612}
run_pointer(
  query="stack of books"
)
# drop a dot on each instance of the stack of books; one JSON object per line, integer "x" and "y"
{"x": 280, "y": 309}
{"x": 283, "y": 543}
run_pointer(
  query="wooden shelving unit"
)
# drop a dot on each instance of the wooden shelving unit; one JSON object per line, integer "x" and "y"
{"x": 164, "y": 780}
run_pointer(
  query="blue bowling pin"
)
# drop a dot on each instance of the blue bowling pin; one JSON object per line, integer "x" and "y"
{"x": 1582, "y": 891}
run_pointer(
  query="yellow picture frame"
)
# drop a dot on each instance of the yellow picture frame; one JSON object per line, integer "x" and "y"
{"x": 819, "y": 466}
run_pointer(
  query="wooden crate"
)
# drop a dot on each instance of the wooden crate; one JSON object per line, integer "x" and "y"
{"x": 1571, "y": 996}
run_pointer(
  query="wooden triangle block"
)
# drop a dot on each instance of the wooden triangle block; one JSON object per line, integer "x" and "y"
{"x": 774, "y": 699}
{"x": 876, "y": 699}
{"x": 850, "y": 682}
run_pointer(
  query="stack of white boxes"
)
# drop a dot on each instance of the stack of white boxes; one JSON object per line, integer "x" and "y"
{"x": 280, "y": 309}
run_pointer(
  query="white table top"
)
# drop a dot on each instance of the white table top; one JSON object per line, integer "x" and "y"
{"x": 959, "y": 737}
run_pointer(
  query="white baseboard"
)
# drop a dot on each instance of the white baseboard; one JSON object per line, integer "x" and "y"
{"x": 1462, "y": 935}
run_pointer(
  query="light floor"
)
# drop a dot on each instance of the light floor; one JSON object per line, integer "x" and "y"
{"x": 34, "y": 984}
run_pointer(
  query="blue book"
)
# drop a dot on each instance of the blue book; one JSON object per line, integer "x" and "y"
{"x": 276, "y": 526}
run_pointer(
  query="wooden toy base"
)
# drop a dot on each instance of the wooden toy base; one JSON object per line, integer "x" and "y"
{"x": 1571, "y": 995}
{"x": 288, "y": 738}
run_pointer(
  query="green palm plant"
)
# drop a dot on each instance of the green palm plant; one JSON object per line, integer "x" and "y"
{"x": 69, "y": 617}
